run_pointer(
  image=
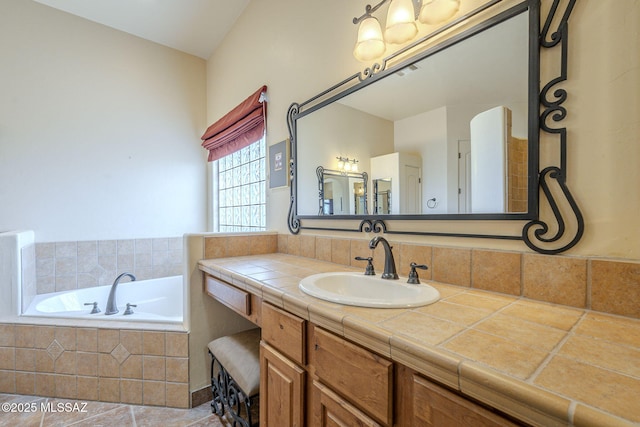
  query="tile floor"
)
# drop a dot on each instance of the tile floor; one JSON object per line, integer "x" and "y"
{"x": 35, "y": 411}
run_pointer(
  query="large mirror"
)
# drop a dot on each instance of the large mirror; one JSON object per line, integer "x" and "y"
{"x": 450, "y": 133}
{"x": 451, "y": 127}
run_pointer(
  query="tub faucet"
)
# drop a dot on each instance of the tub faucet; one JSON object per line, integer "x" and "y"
{"x": 389, "y": 262}
{"x": 112, "y": 305}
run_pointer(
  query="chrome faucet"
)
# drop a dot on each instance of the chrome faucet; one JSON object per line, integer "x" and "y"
{"x": 112, "y": 305}
{"x": 389, "y": 262}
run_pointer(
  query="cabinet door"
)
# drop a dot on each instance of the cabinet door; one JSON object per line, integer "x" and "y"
{"x": 434, "y": 406}
{"x": 281, "y": 390}
{"x": 337, "y": 412}
{"x": 359, "y": 375}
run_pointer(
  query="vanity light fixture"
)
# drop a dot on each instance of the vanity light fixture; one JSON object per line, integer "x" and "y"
{"x": 401, "y": 25}
{"x": 437, "y": 11}
{"x": 370, "y": 44}
{"x": 401, "y": 22}
{"x": 346, "y": 164}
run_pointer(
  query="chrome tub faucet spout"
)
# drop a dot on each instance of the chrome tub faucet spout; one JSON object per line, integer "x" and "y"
{"x": 112, "y": 305}
{"x": 389, "y": 262}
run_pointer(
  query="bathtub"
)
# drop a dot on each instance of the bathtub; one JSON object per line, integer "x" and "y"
{"x": 157, "y": 301}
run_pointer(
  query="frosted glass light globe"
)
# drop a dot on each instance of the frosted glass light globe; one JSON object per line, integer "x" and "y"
{"x": 437, "y": 11}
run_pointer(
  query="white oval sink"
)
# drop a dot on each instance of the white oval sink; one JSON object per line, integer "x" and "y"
{"x": 368, "y": 291}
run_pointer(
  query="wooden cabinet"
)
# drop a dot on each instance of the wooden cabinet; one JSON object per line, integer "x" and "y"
{"x": 285, "y": 332}
{"x": 282, "y": 373}
{"x": 435, "y": 406}
{"x": 334, "y": 411}
{"x": 312, "y": 377}
{"x": 362, "y": 377}
{"x": 281, "y": 390}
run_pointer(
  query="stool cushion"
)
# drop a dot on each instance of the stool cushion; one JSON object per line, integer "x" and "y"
{"x": 240, "y": 355}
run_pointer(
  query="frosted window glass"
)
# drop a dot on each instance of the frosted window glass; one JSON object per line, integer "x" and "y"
{"x": 241, "y": 187}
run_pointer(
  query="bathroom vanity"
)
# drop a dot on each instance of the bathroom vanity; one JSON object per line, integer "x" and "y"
{"x": 310, "y": 373}
{"x": 346, "y": 384}
{"x": 329, "y": 364}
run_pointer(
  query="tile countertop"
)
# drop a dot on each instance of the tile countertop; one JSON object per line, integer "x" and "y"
{"x": 542, "y": 363}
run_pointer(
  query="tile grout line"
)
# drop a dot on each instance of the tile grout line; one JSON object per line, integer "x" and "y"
{"x": 554, "y": 351}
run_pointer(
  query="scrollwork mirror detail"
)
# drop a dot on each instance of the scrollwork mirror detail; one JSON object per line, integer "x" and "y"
{"x": 350, "y": 193}
{"x": 552, "y": 108}
{"x": 537, "y": 233}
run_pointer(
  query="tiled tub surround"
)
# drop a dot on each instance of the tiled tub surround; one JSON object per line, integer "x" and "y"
{"x": 544, "y": 363}
{"x": 28, "y": 272}
{"x": 110, "y": 365}
{"x": 62, "y": 266}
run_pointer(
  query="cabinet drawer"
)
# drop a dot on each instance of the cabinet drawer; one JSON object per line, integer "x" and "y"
{"x": 362, "y": 377}
{"x": 434, "y": 406}
{"x": 285, "y": 332}
{"x": 234, "y": 298}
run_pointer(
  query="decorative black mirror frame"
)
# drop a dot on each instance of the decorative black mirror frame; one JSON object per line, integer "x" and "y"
{"x": 321, "y": 172}
{"x": 550, "y": 100}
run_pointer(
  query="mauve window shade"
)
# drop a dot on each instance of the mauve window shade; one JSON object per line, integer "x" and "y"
{"x": 242, "y": 126}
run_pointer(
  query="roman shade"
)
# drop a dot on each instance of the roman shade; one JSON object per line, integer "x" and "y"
{"x": 242, "y": 126}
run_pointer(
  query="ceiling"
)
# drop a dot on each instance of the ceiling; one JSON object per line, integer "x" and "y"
{"x": 193, "y": 26}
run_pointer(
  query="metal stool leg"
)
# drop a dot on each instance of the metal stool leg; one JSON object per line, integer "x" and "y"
{"x": 217, "y": 383}
{"x": 226, "y": 393}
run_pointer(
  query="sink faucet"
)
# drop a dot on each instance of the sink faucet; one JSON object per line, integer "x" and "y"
{"x": 389, "y": 262}
{"x": 112, "y": 305}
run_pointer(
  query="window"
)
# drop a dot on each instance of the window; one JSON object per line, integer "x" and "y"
{"x": 239, "y": 190}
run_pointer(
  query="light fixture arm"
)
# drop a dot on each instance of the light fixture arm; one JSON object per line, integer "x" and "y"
{"x": 368, "y": 10}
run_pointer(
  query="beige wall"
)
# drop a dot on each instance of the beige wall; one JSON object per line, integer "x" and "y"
{"x": 99, "y": 130}
{"x": 299, "y": 48}
{"x": 352, "y": 134}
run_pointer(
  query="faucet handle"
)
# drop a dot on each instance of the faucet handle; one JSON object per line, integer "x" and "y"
{"x": 129, "y": 310}
{"x": 95, "y": 308}
{"x": 413, "y": 274}
{"x": 369, "y": 271}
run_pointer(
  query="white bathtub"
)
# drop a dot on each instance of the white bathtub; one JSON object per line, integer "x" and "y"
{"x": 157, "y": 300}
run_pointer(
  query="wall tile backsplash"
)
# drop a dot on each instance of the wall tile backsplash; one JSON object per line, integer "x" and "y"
{"x": 606, "y": 285}
{"x": 62, "y": 266}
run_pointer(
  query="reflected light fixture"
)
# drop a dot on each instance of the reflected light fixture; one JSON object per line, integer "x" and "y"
{"x": 346, "y": 164}
{"x": 400, "y": 26}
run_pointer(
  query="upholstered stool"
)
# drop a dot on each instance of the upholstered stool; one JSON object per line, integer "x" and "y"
{"x": 235, "y": 374}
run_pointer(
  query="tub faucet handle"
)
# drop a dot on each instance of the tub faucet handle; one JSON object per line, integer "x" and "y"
{"x": 95, "y": 308}
{"x": 128, "y": 310}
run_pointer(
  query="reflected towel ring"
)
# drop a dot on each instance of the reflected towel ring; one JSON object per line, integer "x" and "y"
{"x": 432, "y": 203}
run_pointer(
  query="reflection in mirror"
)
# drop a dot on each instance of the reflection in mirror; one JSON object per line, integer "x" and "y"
{"x": 425, "y": 111}
{"x": 382, "y": 196}
{"x": 402, "y": 173}
{"x": 341, "y": 193}
{"x": 498, "y": 164}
